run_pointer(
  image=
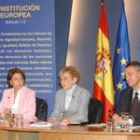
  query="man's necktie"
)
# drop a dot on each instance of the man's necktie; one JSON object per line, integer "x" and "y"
{"x": 135, "y": 105}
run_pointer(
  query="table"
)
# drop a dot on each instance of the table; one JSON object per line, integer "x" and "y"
{"x": 65, "y": 133}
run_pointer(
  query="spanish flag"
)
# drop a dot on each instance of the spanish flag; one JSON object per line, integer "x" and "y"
{"x": 103, "y": 82}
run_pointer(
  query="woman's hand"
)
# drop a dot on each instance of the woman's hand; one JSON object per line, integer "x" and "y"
{"x": 65, "y": 122}
{"x": 52, "y": 120}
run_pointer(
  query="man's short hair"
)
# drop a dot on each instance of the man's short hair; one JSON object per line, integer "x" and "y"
{"x": 134, "y": 64}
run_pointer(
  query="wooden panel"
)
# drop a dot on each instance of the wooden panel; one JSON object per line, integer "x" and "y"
{"x": 3, "y": 135}
{"x": 17, "y": 135}
{"x": 65, "y": 133}
{"x": 74, "y": 136}
{"x": 133, "y": 137}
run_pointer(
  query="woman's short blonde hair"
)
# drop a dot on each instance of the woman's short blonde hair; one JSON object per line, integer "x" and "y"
{"x": 73, "y": 71}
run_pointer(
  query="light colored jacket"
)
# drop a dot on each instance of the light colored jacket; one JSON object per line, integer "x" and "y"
{"x": 27, "y": 102}
{"x": 78, "y": 108}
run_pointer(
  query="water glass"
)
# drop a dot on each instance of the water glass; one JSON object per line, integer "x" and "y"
{"x": 126, "y": 121}
{"x": 110, "y": 124}
{"x": 18, "y": 120}
{"x": 8, "y": 114}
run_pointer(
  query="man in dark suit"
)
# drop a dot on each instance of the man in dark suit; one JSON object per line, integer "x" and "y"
{"x": 129, "y": 101}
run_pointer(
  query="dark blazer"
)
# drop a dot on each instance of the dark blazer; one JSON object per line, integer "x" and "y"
{"x": 125, "y": 104}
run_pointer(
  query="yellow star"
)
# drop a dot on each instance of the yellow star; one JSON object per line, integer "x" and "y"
{"x": 123, "y": 61}
{"x": 119, "y": 86}
{"x": 118, "y": 50}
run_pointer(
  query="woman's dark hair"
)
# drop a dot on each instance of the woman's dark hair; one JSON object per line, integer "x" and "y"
{"x": 12, "y": 72}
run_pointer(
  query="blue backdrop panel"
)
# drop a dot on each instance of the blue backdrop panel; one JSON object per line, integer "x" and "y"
{"x": 27, "y": 40}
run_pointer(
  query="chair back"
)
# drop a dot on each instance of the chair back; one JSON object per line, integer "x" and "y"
{"x": 95, "y": 111}
{"x": 41, "y": 109}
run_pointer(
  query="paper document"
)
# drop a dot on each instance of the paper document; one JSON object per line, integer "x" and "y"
{"x": 74, "y": 123}
{"x": 42, "y": 124}
{"x": 100, "y": 125}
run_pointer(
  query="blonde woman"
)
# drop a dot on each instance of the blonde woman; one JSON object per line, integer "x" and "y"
{"x": 71, "y": 102}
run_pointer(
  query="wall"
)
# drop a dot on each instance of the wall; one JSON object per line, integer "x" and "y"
{"x": 62, "y": 20}
{"x": 83, "y": 35}
{"x": 81, "y": 49}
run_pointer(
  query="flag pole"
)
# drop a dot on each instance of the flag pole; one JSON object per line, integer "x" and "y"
{"x": 102, "y": 2}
